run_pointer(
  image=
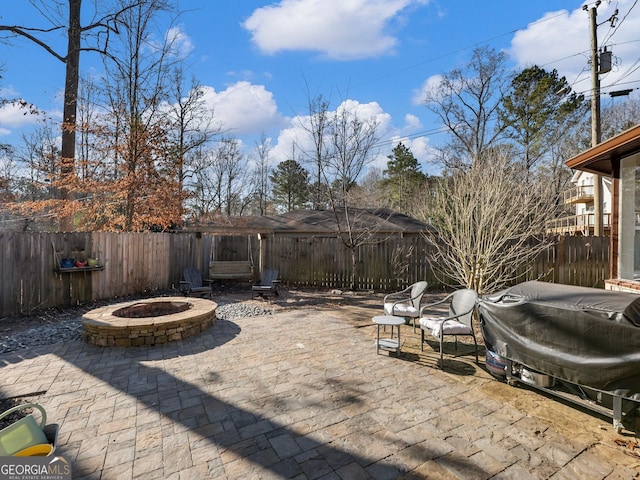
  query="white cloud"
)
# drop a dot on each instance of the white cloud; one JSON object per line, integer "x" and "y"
{"x": 180, "y": 42}
{"x": 8, "y": 92}
{"x": 558, "y": 38}
{"x": 295, "y": 139}
{"x": 425, "y": 154}
{"x": 561, "y": 40}
{"x": 429, "y": 86}
{"x": 421, "y": 150}
{"x": 243, "y": 108}
{"x": 412, "y": 122}
{"x": 338, "y": 29}
{"x": 13, "y": 115}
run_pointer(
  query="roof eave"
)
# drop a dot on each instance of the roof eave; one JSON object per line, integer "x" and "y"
{"x": 599, "y": 159}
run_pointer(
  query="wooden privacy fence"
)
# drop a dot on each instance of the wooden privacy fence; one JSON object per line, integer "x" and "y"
{"x": 132, "y": 263}
{"x": 325, "y": 262}
{"x": 396, "y": 262}
{"x": 135, "y": 263}
{"x": 580, "y": 261}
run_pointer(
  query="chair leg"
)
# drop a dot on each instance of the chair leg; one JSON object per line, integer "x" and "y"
{"x": 476, "y": 344}
{"x": 421, "y": 339}
{"x": 441, "y": 353}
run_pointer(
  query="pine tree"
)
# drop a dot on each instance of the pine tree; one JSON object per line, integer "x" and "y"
{"x": 403, "y": 177}
{"x": 539, "y": 108}
{"x": 290, "y": 186}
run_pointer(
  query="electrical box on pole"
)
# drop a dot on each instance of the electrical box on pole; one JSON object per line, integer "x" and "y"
{"x": 605, "y": 61}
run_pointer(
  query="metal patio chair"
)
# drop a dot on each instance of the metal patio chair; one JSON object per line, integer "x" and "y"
{"x": 457, "y": 322}
{"x": 406, "y": 303}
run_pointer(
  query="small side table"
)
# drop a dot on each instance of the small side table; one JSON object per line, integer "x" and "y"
{"x": 388, "y": 343}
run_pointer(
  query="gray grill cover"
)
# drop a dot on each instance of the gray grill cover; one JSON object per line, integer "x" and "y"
{"x": 586, "y": 336}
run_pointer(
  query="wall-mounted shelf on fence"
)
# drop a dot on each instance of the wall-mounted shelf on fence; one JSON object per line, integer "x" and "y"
{"x": 69, "y": 264}
{"x": 97, "y": 268}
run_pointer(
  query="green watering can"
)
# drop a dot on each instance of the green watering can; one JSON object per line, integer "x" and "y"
{"x": 23, "y": 433}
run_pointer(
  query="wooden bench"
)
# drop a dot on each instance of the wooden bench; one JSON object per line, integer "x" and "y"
{"x": 230, "y": 269}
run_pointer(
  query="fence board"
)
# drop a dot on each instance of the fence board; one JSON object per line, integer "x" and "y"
{"x": 137, "y": 262}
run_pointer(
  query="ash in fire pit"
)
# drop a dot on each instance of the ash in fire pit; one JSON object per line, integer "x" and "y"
{"x": 154, "y": 309}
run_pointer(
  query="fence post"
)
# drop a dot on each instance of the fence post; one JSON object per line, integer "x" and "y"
{"x": 561, "y": 258}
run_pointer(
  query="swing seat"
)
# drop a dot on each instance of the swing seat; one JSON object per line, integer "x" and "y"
{"x": 230, "y": 269}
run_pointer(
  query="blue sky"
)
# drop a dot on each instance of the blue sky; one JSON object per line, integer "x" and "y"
{"x": 260, "y": 59}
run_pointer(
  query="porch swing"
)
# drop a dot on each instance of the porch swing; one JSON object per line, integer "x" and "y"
{"x": 231, "y": 269}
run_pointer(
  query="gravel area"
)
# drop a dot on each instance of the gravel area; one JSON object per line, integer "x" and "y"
{"x": 70, "y": 327}
{"x": 63, "y": 324}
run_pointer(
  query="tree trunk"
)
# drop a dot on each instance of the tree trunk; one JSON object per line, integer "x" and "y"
{"x": 354, "y": 269}
{"x": 70, "y": 107}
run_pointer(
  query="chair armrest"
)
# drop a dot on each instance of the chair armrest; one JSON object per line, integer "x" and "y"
{"x": 402, "y": 301}
{"x": 451, "y": 317}
{"x": 402, "y": 293}
{"x": 429, "y": 305}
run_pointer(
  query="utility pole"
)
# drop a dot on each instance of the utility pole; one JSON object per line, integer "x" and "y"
{"x": 596, "y": 134}
{"x": 598, "y": 226}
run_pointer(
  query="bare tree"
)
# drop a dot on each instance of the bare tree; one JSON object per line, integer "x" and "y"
{"x": 317, "y": 130}
{"x": 191, "y": 127}
{"x": 340, "y": 145}
{"x": 371, "y": 191}
{"x": 28, "y": 174}
{"x": 466, "y": 101}
{"x": 352, "y": 143}
{"x": 102, "y": 27}
{"x": 261, "y": 174}
{"x": 147, "y": 190}
{"x": 202, "y": 200}
{"x": 87, "y": 112}
{"x": 490, "y": 221}
{"x": 39, "y": 162}
{"x": 620, "y": 116}
{"x": 228, "y": 171}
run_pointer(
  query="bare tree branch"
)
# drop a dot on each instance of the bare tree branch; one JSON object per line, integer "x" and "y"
{"x": 22, "y": 31}
{"x": 490, "y": 220}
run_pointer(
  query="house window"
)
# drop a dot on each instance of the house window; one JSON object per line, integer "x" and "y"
{"x": 629, "y": 226}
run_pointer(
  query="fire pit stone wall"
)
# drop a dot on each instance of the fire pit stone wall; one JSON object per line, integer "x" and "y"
{"x": 106, "y": 327}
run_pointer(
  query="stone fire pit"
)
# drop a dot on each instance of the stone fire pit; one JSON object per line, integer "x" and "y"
{"x": 147, "y": 322}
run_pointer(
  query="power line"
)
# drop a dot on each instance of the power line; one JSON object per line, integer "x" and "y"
{"x": 615, "y": 29}
{"x": 444, "y": 55}
{"x": 399, "y": 138}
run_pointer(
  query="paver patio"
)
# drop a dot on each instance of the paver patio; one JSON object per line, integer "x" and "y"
{"x": 302, "y": 394}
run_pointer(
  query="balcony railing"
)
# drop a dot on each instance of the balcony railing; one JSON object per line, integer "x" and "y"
{"x": 584, "y": 224}
{"x": 579, "y": 194}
